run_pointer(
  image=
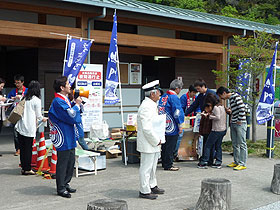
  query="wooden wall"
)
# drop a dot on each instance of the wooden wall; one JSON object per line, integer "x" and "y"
{"x": 193, "y": 69}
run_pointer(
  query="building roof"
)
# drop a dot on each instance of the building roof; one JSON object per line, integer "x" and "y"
{"x": 178, "y": 13}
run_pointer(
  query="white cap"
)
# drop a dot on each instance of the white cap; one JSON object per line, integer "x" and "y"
{"x": 151, "y": 86}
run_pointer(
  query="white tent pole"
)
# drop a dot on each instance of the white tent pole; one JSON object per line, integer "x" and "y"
{"x": 65, "y": 53}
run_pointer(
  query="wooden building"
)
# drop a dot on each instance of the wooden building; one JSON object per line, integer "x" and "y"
{"x": 168, "y": 42}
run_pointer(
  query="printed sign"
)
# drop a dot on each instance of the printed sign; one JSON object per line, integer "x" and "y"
{"x": 90, "y": 78}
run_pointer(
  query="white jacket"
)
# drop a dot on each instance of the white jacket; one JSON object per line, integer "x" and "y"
{"x": 147, "y": 140}
{"x": 27, "y": 125}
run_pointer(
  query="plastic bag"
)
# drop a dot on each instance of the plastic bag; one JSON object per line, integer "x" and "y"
{"x": 197, "y": 123}
{"x": 200, "y": 146}
{"x": 100, "y": 131}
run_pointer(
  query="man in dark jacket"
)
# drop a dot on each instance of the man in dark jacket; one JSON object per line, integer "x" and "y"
{"x": 201, "y": 87}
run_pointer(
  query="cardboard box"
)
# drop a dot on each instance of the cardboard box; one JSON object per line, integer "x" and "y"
{"x": 111, "y": 153}
{"x": 116, "y": 130}
{"x": 187, "y": 149}
{"x": 116, "y": 135}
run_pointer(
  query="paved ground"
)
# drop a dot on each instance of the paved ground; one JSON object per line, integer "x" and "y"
{"x": 250, "y": 188}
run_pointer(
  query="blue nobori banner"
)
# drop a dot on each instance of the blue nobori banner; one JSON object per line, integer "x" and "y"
{"x": 243, "y": 79}
{"x": 112, "y": 77}
{"x": 76, "y": 54}
{"x": 265, "y": 106}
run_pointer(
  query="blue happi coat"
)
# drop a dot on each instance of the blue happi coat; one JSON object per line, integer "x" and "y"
{"x": 170, "y": 105}
{"x": 79, "y": 128}
{"x": 63, "y": 117}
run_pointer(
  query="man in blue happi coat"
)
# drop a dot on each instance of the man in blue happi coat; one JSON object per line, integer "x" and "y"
{"x": 63, "y": 116}
{"x": 170, "y": 105}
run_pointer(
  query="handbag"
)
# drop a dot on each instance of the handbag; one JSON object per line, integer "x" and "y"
{"x": 17, "y": 112}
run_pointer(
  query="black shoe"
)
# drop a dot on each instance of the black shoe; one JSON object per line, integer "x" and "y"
{"x": 28, "y": 172}
{"x": 202, "y": 166}
{"x": 219, "y": 166}
{"x": 176, "y": 159}
{"x": 173, "y": 168}
{"x": 156, "y": 190}
{"x": 71, "y": 190}
{"x": 148, "y": 196}
{"x": 65, "y": 194}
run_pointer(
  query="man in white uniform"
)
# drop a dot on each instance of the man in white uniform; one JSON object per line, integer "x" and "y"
{"x": 148, "y": 142}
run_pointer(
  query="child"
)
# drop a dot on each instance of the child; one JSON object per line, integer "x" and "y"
{"x": 215, "y": 137}
{"x": 205, "y": 128}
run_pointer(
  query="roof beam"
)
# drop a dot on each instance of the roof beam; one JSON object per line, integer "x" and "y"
{"x": 39, "y": 9}
{"x": 156, "y": 42}
{"x": 36, "y": 30}
{"x": 30, "y": 30}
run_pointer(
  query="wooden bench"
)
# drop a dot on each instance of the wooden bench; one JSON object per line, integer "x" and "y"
{"x": 84, "y": 153}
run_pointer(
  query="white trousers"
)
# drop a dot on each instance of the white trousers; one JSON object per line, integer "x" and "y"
{"x": 147, "y": 171}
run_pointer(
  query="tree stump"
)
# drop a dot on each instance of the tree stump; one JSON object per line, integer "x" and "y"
{"x": 215, "y": 195}
{"x": 275, "y": 183}
{"x": 107, "y": 204}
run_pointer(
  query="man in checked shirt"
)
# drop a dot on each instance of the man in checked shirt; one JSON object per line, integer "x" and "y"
{"x": 238, "y": 127}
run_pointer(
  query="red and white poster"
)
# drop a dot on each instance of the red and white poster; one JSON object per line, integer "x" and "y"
{"x": 90, "y": 78}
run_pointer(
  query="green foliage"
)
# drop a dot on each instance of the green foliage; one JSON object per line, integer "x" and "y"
{"x": 197, "y": 5}
{"x": 229, "y": 11}
{"x": 253, "y": 10}
{"x": 255, "y": 149}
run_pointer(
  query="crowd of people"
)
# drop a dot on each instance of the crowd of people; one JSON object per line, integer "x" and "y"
{"x": 66, "y": 128}
{"x": 212, "y": 108}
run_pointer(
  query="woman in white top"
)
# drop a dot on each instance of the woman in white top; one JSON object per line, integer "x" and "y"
{"x": 2, "y": 100}
{"x": 27, "y": 125}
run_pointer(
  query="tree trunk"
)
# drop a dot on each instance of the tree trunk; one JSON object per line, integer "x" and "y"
{"x": 107, "y": 204}
{"x": 254, "y": 123}
{"x": 215, "y": 195}
{"x": 275, "y": 183}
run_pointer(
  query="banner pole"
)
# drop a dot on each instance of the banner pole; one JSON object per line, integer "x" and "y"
{"x": 272, "y": 120}
{"x": 65, "y": 53}
{"x": 123, "y": 138}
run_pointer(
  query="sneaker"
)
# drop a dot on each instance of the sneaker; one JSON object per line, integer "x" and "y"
{"x": 28, "y": 172}
{"x": 232, "y": 165}
{"x": 219, "y": 166}
{"x": 239, "y": 168}
{"x": 17, "y": 153}
{"x": 202, "y": 166}
{"x": 156, "y": 190}
{"x": 148, "y": 196}
{"x": 173, "y": 168}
